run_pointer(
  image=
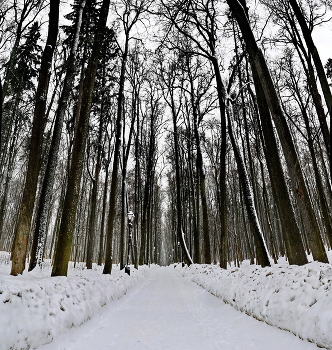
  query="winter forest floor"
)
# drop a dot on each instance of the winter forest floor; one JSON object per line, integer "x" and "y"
{"x": 167, "y": 308}
{"x": 168, "y": 311}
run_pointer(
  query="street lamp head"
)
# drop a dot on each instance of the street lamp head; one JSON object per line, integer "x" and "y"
{"x": 130, "y": 216}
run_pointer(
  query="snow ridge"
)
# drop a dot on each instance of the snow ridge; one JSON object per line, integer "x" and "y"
{"x": 293, "y": 298}
{"x": 37, "y": 309}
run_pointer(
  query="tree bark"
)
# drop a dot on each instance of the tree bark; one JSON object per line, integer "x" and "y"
{"x": 179, "y": 228}
{"x": 315, "y": 55}
{"x": 326, "y": 219}
{"x": 1, "y": 99}
{"x": 306, "y": 60}
{"x": 261, "y": 249}
{"x": 290, "y": 229}
{"x": 201, "y": 174}
{"x": 115, "y": 169}
{"x": 35, "y": 152}
{"x": 52, "y": 160}
{"x": 63, "y": 248}
{"x": 102, "y": 225}
{"x": 127, "y": 24}
{"x": 222, "y": 177}
{"x": 138, "y": 185}
{"x": 124, "y": 206}
{"x": 194, "y": 186}
{"x": 300, "y": 191}
{"x": 92, "y": 231}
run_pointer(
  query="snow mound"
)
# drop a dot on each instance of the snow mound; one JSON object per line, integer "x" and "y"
{"x": 34, "y": 308}
{"x": 293, "y": 298}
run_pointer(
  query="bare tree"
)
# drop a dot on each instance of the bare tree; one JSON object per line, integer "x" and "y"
{"x": 130, "y": 16}
{"x": 49, "y": 177}
{"x": 197, "y": 21}
{"x": 29, "y": 194}
{"x": 258, "y": 64}
{"x": 63, "y": 248}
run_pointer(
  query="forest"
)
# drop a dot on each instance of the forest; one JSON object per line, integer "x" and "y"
{"x": 207, "y": 120}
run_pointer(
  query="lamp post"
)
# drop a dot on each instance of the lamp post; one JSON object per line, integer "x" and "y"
{"x": 130, "y": 226}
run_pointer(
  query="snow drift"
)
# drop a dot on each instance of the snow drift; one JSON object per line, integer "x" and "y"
{"x": 294, "y": 298}
{"x": 34, "y": 308}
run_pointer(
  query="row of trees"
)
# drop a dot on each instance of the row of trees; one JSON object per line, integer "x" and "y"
{"x": 170, "y": 109}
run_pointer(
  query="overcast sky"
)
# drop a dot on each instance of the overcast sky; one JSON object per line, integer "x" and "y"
{"x": 323, "y": 39}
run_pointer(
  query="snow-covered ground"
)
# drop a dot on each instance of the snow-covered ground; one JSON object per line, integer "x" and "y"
{"x": 35, "y": 308}
{"x": 169, "y": 312}
{"x": 162, "y": 308}
{"x": 294, "y": 298}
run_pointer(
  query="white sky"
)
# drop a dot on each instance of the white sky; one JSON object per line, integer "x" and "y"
{"x": 322, "y": 37}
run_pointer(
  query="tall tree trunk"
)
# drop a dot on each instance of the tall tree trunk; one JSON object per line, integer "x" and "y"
{"x": 92, "y": 228}
{"x": 103, "y": 215}
{"x": 201, "y": 174}
{"x": 124, "y": 207}
{"x": 319, "y": 184}
{"x": 316, "y": 98}
{"x": 1, "y": 99}
{"x": 315, "y": 55}
{"x": 115, "y": 170}
{"x": 147, "y": 197}
{"x": 305, "y": 58}
{"x": 63, "y": 248}
{"x": 300, "y": 191}
{"x": 7, "y": 174}
{"x": 128, "y": 22}
{"x": 273, "y": 237}
{"x": 222, "y": 177}
{"x": 290, "y": 229}
{"x": 52, "y": 160}
{"x": 102, "y": 225}
{"x": 179, "y": 229}
{"x": 138, "y": 185}
{"x": 58, "y": 216}
{"x": 261, "y": 249}
{"x": 35, "y": 152}
{"x": 124, "y": 210}
{"x": 205, "y": 217}
{"x": 195, "y": 211}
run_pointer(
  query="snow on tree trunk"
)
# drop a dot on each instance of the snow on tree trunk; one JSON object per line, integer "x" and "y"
{"x": 23, "y": 226}
{"x": 48, "y": 182}
{"x": 261, "y": 247}
{"x": 299, "y": 187}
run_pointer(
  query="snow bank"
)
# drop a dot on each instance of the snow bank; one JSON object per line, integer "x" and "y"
{"x": 35, "y": 308}
{"x": 294, "y": 298}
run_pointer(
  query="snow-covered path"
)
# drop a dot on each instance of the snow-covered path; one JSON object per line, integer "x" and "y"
{"x": 168, "y": 311}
